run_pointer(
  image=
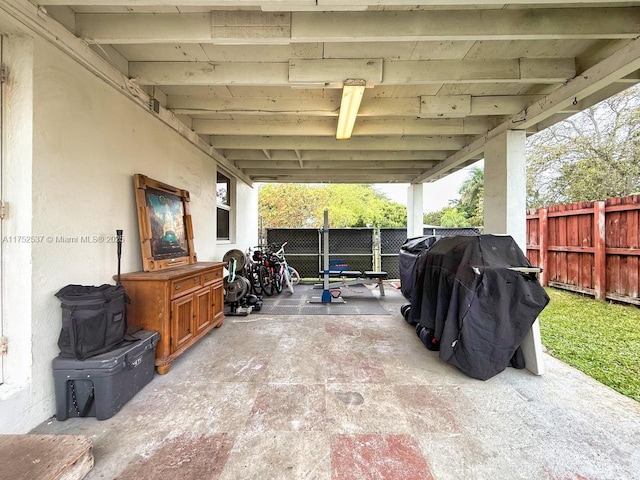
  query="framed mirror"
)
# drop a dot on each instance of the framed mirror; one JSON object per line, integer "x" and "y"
{"x": 164, "y": 222}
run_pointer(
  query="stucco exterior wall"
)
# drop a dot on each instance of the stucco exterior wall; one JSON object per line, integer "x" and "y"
{"x": 87, "y": 142}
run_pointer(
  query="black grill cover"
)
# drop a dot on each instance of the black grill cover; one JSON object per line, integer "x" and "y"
{"x": 478, "y": 308}
{"x": 410, "y": 251}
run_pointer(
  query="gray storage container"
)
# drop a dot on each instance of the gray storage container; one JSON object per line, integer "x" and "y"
{"x": 99, "y": 386}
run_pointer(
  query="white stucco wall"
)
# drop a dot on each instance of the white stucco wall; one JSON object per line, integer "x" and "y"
{"x": 88, "y": 141}
{"x": 17, "y": 151}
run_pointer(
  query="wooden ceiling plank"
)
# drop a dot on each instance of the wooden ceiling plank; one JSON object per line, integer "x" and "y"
{"x": 250, "y": 27}
{"x": 332, "y": 73}
{"x": 337, "y": 172}
{"x": 335, "y": 71}
{"x": 329, "y": 156}
{"x": 328, "y": 176}
{"x": 445, "y": 106}
{"x": 540, "y": 70}
{"x": 364, "y": 165}
{"x": 620, "y": 64}
{"x": 254, "y": 106}
{"x": 439, "y": 25}
{"x": 467, "y": 105}
{"x": 209, "y": 73}
{"x": 259, "y": 27}
{"x": 144, "y": 28}
{"x": 320, "y": 107}
{"x": 326, "y": 127}
{"x": 325, "y": 143}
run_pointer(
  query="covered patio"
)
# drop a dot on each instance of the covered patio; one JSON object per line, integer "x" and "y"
{"x": 201, "y": 93}
{"x": 357, "y": 397}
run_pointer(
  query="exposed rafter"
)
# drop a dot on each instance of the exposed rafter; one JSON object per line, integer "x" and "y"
{"x": 330, "y": 156}
{"x": 620, "y": 64}
{"x": 325, "y": 143}
{"x": 321, "y": 127}
{"x": 332, "y": 73}
{"x": 255, "y": 27}
{"x": 260, "y": 81}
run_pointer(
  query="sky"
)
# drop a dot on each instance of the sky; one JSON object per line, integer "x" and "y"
{"x": 436, "y": 194}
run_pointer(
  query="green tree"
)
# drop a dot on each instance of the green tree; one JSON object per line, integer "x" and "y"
{"x": 452, "y": 217}
{"x": 433, "y": 218}
{"x": 292, "y": 205}
{"x": 468, "y": 210}
{"x": 471, "y": 203}
{"x": 592, "y": 155}
{"x": 296, "y": 206}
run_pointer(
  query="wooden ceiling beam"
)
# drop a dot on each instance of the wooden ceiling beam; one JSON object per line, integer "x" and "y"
{"x": 329, "y": 156}
{"x": 247, "y": 165}
{"x": 451, "y": 106}
{"x": 620, "y": 64}
{"x": 425, "y": 107}
{"x": 325, "y": 143}
{"x": 333, "y": 176}
{"x": 316, "y": 107}
{"x": 332, "y": 72}
{"x": 252, "y": 27}
{"x": 323, "y": 127}
{"x": 455, "y": 25}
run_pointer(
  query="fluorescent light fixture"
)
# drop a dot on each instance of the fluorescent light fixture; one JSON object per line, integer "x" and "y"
{"x": 352, "y": 93}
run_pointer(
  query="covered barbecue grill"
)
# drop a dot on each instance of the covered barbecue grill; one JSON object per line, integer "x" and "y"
{"x": 410, "y": 252}
{"x": 476, "y": 299}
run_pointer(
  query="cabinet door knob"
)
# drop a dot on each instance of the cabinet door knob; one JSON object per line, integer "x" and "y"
{"x": 178, "y": 287}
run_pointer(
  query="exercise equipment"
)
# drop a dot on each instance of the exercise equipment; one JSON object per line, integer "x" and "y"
{"x": 237, "y": 288}
{"x": 334, "y": 279}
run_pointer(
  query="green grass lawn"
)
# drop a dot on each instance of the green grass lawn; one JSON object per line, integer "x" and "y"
{"x": 599, "y": 338}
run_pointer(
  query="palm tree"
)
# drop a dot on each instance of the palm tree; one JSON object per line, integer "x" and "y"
{"x": 472, "y": 196}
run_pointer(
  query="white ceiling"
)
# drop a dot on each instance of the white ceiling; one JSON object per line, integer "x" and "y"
{"x": 261, "y": 81}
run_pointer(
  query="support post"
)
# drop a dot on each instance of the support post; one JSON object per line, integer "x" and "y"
{"x": 505, "y": 202}
{"x": 543, "y": 230}
{"x": 600, "y": 254}
{"x": 326, "y": 294}
{"x": 415, "y": 207}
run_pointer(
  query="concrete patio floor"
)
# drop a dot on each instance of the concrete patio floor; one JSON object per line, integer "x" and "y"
{"x": 357, "y": 397}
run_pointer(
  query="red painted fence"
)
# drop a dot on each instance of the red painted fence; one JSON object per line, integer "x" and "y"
{"x": 589, "y": 247}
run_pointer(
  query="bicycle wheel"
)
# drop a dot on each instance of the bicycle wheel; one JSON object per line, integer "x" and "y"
{"x": 254, "y": 279}
{"x": 295, "y": 276}
{"x": 286, "y": 280}
{"x": 277, "y": 283}
{"x": 266, "y": 281}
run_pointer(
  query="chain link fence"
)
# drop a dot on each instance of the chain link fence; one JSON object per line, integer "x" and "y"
{"x": 360, "y": 248}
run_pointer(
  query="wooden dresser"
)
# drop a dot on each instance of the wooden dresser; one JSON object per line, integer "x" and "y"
{"x": 181, "y": 303}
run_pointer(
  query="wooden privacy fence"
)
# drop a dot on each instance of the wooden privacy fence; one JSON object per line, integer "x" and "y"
{"x": 588, "y": 247}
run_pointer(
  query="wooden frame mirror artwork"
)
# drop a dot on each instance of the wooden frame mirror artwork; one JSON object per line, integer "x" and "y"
{"x": 164, "y": 222}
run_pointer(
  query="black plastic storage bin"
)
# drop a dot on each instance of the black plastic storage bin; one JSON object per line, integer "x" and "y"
{"x": 99, "y": 386}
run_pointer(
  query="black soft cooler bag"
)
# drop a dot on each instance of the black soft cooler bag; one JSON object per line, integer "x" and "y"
{"x": 94, "y": 319}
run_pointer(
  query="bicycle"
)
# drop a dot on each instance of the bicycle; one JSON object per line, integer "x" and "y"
{"x": 253, "y": 261}
{"x": 266, "y": 271}
{"x": 289, "y": 275}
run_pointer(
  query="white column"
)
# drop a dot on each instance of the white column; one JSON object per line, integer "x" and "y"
{"x": 414, "y": 210}
{"x": 505, "y": 203}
